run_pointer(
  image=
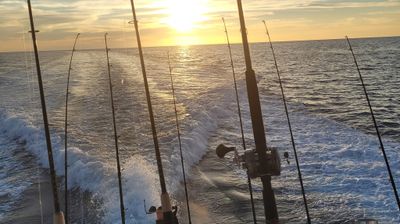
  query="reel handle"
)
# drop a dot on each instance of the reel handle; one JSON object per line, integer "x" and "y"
{"x": 222, "y": 150}
{"x": 151, "y": 210}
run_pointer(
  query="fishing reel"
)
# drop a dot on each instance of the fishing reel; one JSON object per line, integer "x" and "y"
{"x": 250, "y": 161}
{"x": 160, "y": 213}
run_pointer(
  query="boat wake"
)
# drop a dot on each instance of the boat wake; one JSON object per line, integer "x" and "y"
{"x": 86, "y": 173}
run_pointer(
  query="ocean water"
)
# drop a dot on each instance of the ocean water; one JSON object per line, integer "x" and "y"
{"x": 344, "y": 173}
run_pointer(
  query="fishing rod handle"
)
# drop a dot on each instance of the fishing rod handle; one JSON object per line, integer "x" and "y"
{"x": 165, "y": 202}
{"x": 59, "y": 218}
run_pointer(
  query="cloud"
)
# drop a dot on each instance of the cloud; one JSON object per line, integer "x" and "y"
{"x": 59, "y": 20}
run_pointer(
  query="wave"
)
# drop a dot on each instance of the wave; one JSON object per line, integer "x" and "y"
{"x": 86, "y": 173}
{"x": 343, "y": 168}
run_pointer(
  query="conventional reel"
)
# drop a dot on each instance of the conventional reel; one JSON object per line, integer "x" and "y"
{"x": 250, "y": 161}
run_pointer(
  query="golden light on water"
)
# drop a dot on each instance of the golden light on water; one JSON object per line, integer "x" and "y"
{"x": 185, "y": 15}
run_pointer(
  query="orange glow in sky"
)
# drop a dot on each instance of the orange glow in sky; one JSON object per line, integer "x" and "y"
{"x": 188, "y": 22}
{"x": 184, "y": 15}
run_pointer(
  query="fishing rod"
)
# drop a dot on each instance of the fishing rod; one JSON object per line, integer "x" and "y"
{"x": 66, "y": 132}
{"x": 240, "y": 121}
{"x": 289, "y": 125}
{"x": 376, "y": 126}
{"x": 58, "y": 214}
{"x": 168, "y": 216}
{"x": 179, "y": 140}
{"x": 121, "y": 196}
{"x": 263, "y": 162}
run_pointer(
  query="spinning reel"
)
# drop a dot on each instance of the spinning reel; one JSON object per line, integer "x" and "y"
{"x": 250, "y": 161}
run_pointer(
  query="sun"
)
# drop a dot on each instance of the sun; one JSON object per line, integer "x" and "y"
{"x": 184, "y": 15}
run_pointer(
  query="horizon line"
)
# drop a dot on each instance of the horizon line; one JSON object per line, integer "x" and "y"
{"x": 207, "y": 44}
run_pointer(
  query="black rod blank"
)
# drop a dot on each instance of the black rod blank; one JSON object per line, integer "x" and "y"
{"x": 376, "y": 127}
{"x": 58, "y": 214}
{"x": 165, "y": 200}
{"x": 289, "y": 125}
{"x": 270, "y": 208}
{"x": 66, "y": 132}
{"x": 250, "y": 186}
{"x": 121, "y": 194}
{"x": 179, "y": 140}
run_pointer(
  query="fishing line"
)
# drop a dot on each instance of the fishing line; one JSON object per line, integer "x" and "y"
{"x": 240, "y": 120}
{"x": 29, "y": 77}
{"x": 268, "y": 164}
{"x": 58, "y": 216}
{"x": 289, "y": 124}
{"x": 124, "y": 31}
{"x": 32, "y": 72}
{"x": 81, "y": 203}
{"x": 179, "y": 139}
{"x": 376, "y": 126}
{"x": 121, "y": 197}
{"x": 28, "y": 66}
{"x": 66, "y": 132}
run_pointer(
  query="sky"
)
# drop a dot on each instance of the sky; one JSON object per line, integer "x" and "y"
{"x": 188, "y": 22}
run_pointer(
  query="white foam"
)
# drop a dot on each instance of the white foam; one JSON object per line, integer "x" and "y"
{"x": 89, "y": 174}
